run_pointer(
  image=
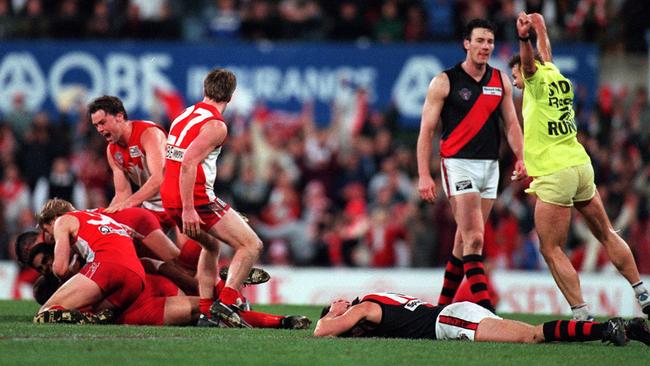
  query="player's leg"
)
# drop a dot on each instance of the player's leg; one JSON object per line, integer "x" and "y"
{"x": 453, "y": 272}
{"x": 617, "y": 249}
{"x": 181, "y": 310}
{"x": 512, "y": 331}
{"x": 552, "y": 226}
{"x": 233, "y": 230}
{"x": 78, "y": 292}
{"x": 468, "y": 211}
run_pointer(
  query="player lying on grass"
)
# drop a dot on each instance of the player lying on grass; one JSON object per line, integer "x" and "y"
{"x": 390, "y": 315}
{"x": 160, "y": 303}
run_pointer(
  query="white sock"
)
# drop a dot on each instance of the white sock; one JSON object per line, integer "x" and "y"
{"x": 639, "y": 288}
{"x": 580, "y": 312}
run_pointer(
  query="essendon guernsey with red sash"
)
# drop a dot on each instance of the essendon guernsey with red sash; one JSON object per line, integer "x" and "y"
{"x": 402, "y": 317}
{"x": 133, "y": 161}
{"x": 182, "y": 132}
{"x": 470, "y": 115}
{"x": 102, "y": 239}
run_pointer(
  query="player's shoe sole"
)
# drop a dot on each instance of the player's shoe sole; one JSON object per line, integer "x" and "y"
{"x": 256, "y": 276}
{"x": 227, "y": 315}
{"x": 637, "y": 329}
{"x": 66, "y": 316}
{"x": 614, "y": 332}
{"x": 295, "y": 322}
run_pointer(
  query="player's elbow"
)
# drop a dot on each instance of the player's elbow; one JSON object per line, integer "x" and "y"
{"x": 59, "y": 269}
{"x": 320, "y": 332}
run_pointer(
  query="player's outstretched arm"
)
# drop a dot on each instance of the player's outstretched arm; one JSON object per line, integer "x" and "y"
{"x": 543, "y": 42}
{"x": 120, "y": 181}
{"x": 436, "y": 94}
{"x": 525, "y": 46}
{"x": 512, "y": 128}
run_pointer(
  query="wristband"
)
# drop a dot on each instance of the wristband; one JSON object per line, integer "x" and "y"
{"x": 524, "y": 39}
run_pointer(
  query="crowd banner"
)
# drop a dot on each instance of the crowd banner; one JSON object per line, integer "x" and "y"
{"x": 53, "y": 75}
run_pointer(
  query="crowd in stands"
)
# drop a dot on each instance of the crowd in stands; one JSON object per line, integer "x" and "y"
{"x": 317, "y": 197}
{"x": 615, "y": 25}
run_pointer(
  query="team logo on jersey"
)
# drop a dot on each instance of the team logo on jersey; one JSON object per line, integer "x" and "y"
{"x": 465, "y": 93}
{"x": 105, "y": 229}
{"x": 413, "y": 304}
{"x": 134, "y": 152}
{"x": 120, "y": 159}
{"x": 463, "y": 185}
{"x": 492, "y": 90}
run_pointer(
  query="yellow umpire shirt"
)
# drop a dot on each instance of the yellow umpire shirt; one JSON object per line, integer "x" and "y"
{"x": 550, "y": 142}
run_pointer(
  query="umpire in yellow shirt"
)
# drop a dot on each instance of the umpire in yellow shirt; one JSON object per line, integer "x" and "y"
{"x": 561, "y": 169}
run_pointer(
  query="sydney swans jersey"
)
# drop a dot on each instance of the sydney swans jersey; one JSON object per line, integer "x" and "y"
{"x": 550, "y": 142}
{"x": 102, "y": 239}
{"x": 132, "y": 160}
{"x": 470, "y": 115}
{"x": 182, "y": 132}
{"x": 402, "y": 317}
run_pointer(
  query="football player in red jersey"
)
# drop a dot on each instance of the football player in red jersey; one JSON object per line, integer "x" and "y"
{"x": 392, "y": 315}
{"x": 135, "y": 153}
{"x": 112, "y": 277}
{"x": 194, "y": 142}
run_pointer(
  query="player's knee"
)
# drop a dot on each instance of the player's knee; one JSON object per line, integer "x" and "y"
{"x": 474, "y": 243}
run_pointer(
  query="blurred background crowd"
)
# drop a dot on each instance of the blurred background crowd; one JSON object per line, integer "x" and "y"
{"x": 316, "y": 196}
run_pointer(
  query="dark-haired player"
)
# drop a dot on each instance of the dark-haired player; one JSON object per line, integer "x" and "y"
{"x": 470, "y": 100}
{"x": 390, "y": 315}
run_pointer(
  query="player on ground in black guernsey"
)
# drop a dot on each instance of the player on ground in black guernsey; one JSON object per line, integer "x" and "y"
{"x": 391, "y": 315}
{"x": 470, "y": 99}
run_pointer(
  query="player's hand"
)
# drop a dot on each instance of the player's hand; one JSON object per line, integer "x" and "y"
{"x": 427, "y": 188}
{"x": 537, "y": 21}
{"x": 523, "y": 24}
{"x": 191, "y": 223}
{"x": 520, "y": 171}
{"x": 119, "y": 206}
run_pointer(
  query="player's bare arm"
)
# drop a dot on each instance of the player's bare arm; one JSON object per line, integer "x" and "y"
{"x": 65, "y": 227}
{"x": 512, "y": 128}
{"x": 120, "y": 181}
{"x": 342, "y": 317}
{"x": 525, "y": 46}
{"x": 153, "y": 142}
{"x": 543, "y": 42}
{"x": 212, "y": 134}
{"x": 435, "y": 99}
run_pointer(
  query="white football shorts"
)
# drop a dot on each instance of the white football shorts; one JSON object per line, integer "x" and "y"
{"x": 470, "y": 175}
{"x": 460, "y": 320}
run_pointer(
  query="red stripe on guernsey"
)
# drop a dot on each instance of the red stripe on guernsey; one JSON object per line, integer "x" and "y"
{"x": 457, "y": 322}
{"x": 572, "y": 328}
{"x": 557, "y": 330}
{"x": 446, "y": 178}
{"x": 475, "y": 119}
{"x": 383, "y": 299}
{"x": 586, "y": 330}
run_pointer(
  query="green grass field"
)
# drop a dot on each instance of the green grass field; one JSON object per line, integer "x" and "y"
{"x": 24, "y": 343}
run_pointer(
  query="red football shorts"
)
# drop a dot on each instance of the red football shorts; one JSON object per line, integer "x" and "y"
{"x": 140, "y": 220}
{"x": 165, "y": 221}
{"x": 149, "y": 307}
{"x": 210, "y": 214}
{"x": 120, "y": 285}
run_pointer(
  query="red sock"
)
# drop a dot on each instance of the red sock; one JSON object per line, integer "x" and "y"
{"x": 218, "y": 287}
{"x": 261, "y": 320}
{"x": 204, "y": 305}
{"x": 189, "y": 256}
{"x": 452, "y": 280}
{"x": 475, "y": 272}
{"x": 229, "y": 295}
{"x": 572, "y": 331}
